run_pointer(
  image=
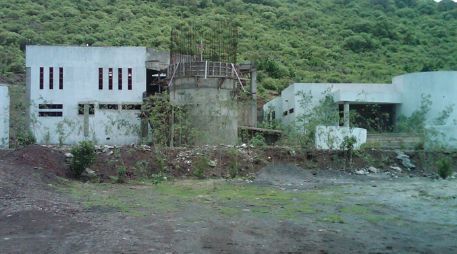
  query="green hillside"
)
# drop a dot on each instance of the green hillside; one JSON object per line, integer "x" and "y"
{"x": 292, "y": 40}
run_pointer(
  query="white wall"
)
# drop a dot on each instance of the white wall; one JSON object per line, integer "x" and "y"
{"x": 332, "y": 137}
{"x": 4, "y": 116}
{"x": 442, "y": 88}
{"x": 80, "y": 65}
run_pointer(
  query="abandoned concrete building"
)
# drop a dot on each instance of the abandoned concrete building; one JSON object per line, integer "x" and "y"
{"x": 4, "y": 116}
{"x": 96, "y": 93}
{"x": 88, "y": 93}
{"x": 402, "y": 97}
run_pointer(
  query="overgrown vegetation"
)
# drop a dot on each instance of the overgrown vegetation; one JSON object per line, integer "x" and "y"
{"x": 170, "y": 124}
{"x": 307, "y": 41}
{"x": 444, "y": 167}
{"x": 83, "y": 157}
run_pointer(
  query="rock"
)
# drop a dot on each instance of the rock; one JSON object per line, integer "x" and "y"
{"x": 110, "y": 153}
{"x": 398, "y": 169}
{"x": 89, "y": 174}
{"x": 212, "y": 163}
{"x": 404, "y": 159}
{"x": 361, "y": 172}
{"x": 69, "y": 155}
{"x": 244, "y": 145}
{"x": 373, "y": 170}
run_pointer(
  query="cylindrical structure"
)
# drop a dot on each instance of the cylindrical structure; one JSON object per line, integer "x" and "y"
{"x": 206, "y": 90}
{"x": 439, "y": 90}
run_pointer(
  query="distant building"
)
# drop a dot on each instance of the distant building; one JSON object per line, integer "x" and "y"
{"x": 4, "y": 116}
{"x": 88, "y": 93}
{"x": 400, "y": 98}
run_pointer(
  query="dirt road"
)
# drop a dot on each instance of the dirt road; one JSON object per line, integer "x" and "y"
{"x": 285, "y": 210}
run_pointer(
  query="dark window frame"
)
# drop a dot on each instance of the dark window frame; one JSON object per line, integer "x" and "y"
{"x": 130, "y": 79}
{"x": 100, "y": 78}
{"x": 91, "y": 109}
{"x": 51, "y": 78}
{"x": 285, "y": 113}
{"x": 119, "y": 78}
{"x": 50, "y": 106}
{"x": 291, "y": 110}
{"x": 131, "y": 106}
{"x": 50, "y": 114}
{"x": 41, "y": 78}
{"x": 108, "y": 106}
{"x": 61, "y": 78}
{"x": 110, "y": 78}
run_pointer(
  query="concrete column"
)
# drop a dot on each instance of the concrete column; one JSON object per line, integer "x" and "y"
{"x": 86, "y": 120}
{"x": 254, "y": 95}
{"x": 346, "y": 114}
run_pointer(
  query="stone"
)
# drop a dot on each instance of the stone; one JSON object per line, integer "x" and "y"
{"x": 89, "y": 173}
{"x": 404, "y": 159}
{"x": 373, "y": 170}
{"x": 398, "y": 169}
{"x": 361, "y": 172}
{"x": 69, "y": 155}
{"x": 212, "y": 163}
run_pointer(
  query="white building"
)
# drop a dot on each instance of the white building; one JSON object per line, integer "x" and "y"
{"x": 4, "y": 116}
{"x": 86, "y": 93}
{"x": 400, "y": 98}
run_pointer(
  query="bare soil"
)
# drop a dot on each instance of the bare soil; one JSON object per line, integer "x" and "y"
{"x": 285, "y": 209}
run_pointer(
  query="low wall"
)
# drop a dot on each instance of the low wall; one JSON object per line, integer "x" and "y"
{"x": 332, "y": 137}
{"x": 4, "y": 117}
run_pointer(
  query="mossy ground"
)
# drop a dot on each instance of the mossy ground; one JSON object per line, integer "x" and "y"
{"x": 222, "y": 198}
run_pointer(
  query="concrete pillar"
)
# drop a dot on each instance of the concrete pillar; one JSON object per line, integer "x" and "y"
{"x": 86, "y": 120}
{"x": 346, "y": 114}
{"x": 254, "y": 95}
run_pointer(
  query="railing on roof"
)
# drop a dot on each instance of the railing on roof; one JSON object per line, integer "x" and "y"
{"x": 203, "y": 69}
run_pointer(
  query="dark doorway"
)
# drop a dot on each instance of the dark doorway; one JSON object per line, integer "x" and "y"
{"x": 373, "y": 117}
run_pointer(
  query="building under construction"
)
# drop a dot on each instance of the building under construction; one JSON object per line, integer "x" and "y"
{"x": 203, "y": 77}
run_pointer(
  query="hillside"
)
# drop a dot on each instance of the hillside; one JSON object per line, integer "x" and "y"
{"x": 292, "y": 40}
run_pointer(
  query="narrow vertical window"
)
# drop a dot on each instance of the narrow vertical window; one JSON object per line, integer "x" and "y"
{"x": 60, "y": 78}
{"x": 119, "y": 78}
{"x": 41, "y": 78}
{"x": 129, "y": 78}
{"x": 51, "y": 78}
{"x": 100, "y": 78}
{"x": 110, "y": 78}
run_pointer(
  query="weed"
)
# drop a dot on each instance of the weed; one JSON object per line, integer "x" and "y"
{"x": 121, "y": 174}
{"x": 258, "y": 140}
{"x": 83, "y": 157}
{"x": 444, "y": 167}
{"x": 200, "y": 166}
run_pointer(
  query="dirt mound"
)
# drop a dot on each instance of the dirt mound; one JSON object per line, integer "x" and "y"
{"x": 50, "y": 160}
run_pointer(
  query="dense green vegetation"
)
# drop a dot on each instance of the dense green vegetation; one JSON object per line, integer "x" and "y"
{"x": 292, "y": 40}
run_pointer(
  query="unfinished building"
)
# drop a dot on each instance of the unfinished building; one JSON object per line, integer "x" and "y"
{"x": 376, "y": 107}
{"x": 88, "y": 93}
{"x": 4, "y": 116}
{"x": 203, "y": 78}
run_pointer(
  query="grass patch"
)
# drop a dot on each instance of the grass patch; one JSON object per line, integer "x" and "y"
{"x": 216, "y": 195}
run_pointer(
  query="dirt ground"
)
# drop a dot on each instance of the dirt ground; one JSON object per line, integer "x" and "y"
{"x": 285, "y": 209}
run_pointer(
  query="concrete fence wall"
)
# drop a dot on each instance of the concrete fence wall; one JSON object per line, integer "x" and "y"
{"x": 4, "y": 116}
{"x": 332, "y": 137}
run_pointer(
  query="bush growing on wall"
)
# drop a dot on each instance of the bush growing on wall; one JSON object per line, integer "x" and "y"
{"x": 83, "y": 157}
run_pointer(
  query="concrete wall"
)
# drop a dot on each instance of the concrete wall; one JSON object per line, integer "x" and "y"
{"x": 80, "y": 67}
{"x": 213, "y": 111}
{"x": 332, "y": 137}
{"x": 441, "y": 86}
{"x": 4, "y": 116}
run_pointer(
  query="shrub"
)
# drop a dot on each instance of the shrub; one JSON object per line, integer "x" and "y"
{"x": 444, "y": 167}
{"x": 200, "y": 166}
{"x": 121, "y": 174}
{"x": 258, "y": 140}
{"x": 25, "y": 138}
{"x": 83, "y": 157}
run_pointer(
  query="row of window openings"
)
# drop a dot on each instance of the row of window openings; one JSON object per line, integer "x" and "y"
{"x": 100, "y": 78}
{"x": 51, "y": 78}
{"x": 81, "y": 108}
{"x": 290, "y": 112}
{"x": 119, "y": 78}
